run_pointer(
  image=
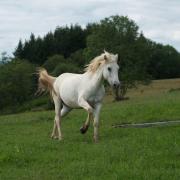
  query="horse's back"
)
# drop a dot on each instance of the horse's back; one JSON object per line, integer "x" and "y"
{"x": 65, "y": 78}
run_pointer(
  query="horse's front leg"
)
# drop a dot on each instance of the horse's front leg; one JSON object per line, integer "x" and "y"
{"x": 96, "y": 121}
{"x": 85, "y": 127}
{"x": 84, "y": 104}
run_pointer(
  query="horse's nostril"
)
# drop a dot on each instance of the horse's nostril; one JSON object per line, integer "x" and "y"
{"x": 116, "y": 85}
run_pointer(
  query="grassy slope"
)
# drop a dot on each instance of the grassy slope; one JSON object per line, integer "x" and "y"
{"x": 27, "y": 152}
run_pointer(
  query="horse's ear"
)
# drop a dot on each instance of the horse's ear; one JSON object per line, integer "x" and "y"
{"x": 106, "y": 54}
{"x": 105, "y": 57}
{"x": 105, "y": 51}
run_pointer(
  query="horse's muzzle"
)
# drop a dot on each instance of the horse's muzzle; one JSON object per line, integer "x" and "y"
{"x": 116, "y": 85}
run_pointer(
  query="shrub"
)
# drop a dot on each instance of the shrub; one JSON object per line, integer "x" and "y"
{"x": 53, "y": 61}
{"x": 16, "y": 82}
{"x": 65, "y": 67}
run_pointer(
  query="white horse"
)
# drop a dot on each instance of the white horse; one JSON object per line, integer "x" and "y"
{"x": 81, "y": 90}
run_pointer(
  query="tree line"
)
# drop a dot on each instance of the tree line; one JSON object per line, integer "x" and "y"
{"x": 69, "y": 48}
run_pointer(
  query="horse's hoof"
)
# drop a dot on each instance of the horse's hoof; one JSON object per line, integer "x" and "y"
{"x": 84, "y": 129}
{"x": 54, "y": 137}
{"x": 59, "y": 138}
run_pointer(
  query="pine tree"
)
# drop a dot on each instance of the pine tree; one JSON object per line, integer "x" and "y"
{"x": 19, "y": 50}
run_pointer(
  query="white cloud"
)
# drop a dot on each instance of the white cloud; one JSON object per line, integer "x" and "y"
{"x": 158, "y": 19}
{"x": 176, "y": 35}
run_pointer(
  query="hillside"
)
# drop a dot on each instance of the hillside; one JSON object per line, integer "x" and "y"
{"x": 156, "y": 87}
{"x": 27, "y": 152}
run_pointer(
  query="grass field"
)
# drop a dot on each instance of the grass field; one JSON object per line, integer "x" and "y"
{"x": 27, "y": 152}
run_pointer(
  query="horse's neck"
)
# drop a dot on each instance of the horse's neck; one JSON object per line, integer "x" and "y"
{"x": 96, "y": 79}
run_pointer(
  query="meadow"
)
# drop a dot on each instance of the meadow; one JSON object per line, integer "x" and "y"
{"x": 28, "y": 152}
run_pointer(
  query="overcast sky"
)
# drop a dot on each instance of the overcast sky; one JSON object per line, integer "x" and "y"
{"x": 158, "y": 19}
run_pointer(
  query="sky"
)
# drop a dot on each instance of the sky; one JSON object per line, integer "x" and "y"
{"x": 157, "y": 19}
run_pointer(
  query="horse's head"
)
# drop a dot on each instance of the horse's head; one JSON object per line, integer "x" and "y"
{"x": 110, "y": 69}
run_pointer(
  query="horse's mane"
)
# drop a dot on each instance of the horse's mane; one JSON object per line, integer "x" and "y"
{"x": 96, "y": 62}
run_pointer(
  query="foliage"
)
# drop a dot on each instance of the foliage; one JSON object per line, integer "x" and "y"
{"x": 78, "y": 58}
{"x": 19, "y": 49}
{"x": 53, "y": 61}
{"x": 69, "y": 48}
{"x": 65, "y": 67}
{"x": 64, "y": 41}
{"x": 164, "y": 62}
{"x": 120, "y": 35}
{"x": 16, "y": 82}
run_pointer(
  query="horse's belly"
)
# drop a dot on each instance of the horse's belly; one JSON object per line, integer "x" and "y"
{"x": 69, "y": 97}
{"x": 69, "y": 94}
{"x": 70, "y": 102}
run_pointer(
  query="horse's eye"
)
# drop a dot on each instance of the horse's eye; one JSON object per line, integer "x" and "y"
{"x": 109, "y": 69}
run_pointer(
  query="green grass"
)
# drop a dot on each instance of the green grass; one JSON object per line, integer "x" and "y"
{"x": 27, "y": 152}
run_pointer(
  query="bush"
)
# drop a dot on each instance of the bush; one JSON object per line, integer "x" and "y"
{"x": 65, "y": 67}
{"x": 16, "y": 82}
{"x": 78, "y": 58}
{"x": 53, "y": 61}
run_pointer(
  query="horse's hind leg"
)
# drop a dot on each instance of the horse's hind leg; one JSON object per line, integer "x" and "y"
{"x": 53, "y": 135}
{"x": 57, "y": 121}
{"x": 65, "y": 110}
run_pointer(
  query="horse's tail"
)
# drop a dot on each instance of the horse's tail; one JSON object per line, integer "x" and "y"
{"x": 45, "y": 82}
